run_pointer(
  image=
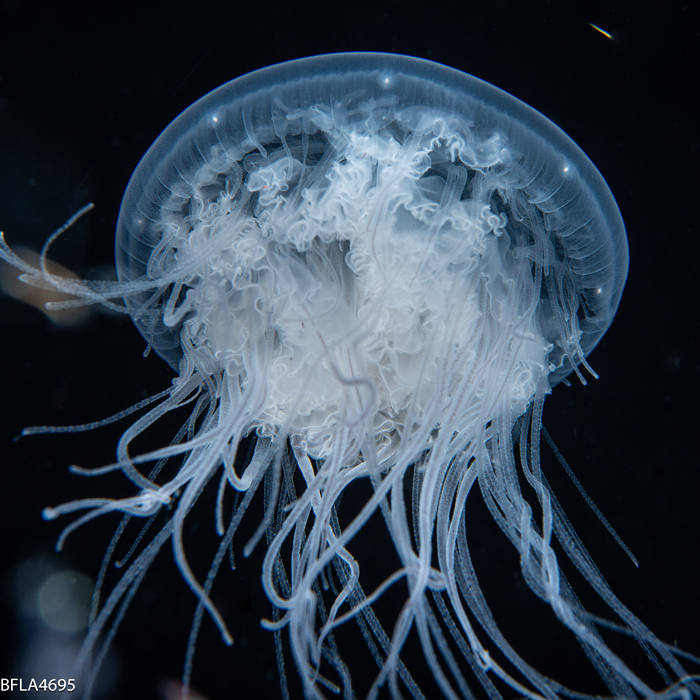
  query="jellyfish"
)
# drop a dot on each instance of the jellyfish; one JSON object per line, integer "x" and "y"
{"x": 363, "y": 268}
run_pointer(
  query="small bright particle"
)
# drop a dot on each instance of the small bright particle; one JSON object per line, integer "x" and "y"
{"x": 602, "y": 31}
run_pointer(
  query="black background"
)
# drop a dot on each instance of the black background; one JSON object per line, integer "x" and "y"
{"x": 85, "y": 88}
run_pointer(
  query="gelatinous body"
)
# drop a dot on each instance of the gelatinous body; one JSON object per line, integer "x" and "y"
{"x": 368, "y": 267}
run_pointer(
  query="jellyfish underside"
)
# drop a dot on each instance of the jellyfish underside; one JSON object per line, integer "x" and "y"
{"x": 376, "y": 299}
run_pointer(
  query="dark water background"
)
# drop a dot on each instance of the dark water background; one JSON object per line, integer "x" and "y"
{"x": 86, "y": 88}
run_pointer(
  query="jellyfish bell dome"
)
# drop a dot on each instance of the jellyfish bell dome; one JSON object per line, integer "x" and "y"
{"x": 382, "y": 154}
